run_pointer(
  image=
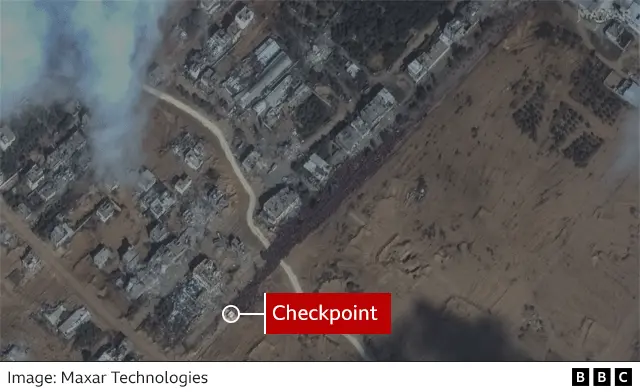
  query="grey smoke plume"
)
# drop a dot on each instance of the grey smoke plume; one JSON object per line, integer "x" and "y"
{"x": 96, "y": 51}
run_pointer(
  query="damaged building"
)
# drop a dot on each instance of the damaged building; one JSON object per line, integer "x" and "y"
{"x": 31, "y": 264}
{"x": 130, "y": 258}
{"x": 189, "y": 149}
{"x": 34, "y": 177}
{"x": 625, "y": 88}
{"x": 69, "y": 327}
{"x": 281, "y": 206}
{"x": 159, "y": 232}
{"x": 221, "y": 41}
{"x": 213, "y": 6}
{"x": 146, "y": 180}
{"x": 318, "y": 168}
{"x": 618, "y": 34}
{"x": 173, "y": 315}
{"x": 162, "y": 204}
{"x": 54, "y": 316}
{"x": 101, "y": 256}
{"x": 61, "y": 234}
{"x": 63, "y": 154}
{"x": 117, "y": 353}
{"x": 456, "y": 31}
{"x": 423, "y": 64}
{"x": 206, "y": 274}
{"x": 105, "y": 210}
{"x": 182, "y": 184}
{"x": 194, "y": 158}
{"x": 258, "y": 73}
{"x": 353, "y": 137}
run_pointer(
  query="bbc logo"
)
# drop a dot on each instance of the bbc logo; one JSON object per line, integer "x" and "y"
{"x": 601, "y": 377}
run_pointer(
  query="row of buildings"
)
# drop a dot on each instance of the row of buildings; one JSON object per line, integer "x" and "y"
{"x": 281, "y": 100}
{"x": 222, "y": 39}
{"x": 455, "y": 32}
{"x": 67, "y": 320}
{"x": 352, "y": 139}
{"x": 257, "y": 73}
{"x": 316, "y": 171}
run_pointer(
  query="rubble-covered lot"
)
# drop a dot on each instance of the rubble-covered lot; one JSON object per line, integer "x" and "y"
{"x": 133, "y": 244}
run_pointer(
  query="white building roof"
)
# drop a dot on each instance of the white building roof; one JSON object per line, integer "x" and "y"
{"x": 60, "y": 234}
{"x": 193, "y": 160}
{"x": 279, "y": 66}
{"x": 101, "y": 258}
{"x": 146, "y": 180}
{"x": 7, "y": 137}
{"x": 276, "y": 97}
{"x": 626, "y": 89}
{"x": 105, "y": 211}
{"x": 632, "y": 16}
{"x": 318, "y": 168}
{"x": 71, "y": 325}
{"x": 353, "y": 69}
{"x": 54, "y": 317}
{"x": 183, "y": 184}
{"x": 267, "y": 51}
{"x": 35, "y": 176}
{"x": 244, "y": 17}
{"x": 371, "y": 114}
{"x": 421, "y": 66}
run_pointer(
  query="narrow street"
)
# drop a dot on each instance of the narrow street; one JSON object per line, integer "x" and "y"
{"x": 143, "y": 345}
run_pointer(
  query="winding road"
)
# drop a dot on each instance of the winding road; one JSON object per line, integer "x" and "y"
{"x": 217, "y": 132}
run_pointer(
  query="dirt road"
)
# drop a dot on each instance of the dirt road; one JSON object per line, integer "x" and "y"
{"x": 217, "y": 132}
{"x": 95, "y": 306}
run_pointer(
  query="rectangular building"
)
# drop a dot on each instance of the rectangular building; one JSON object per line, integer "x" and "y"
{"x": 626, "y": 89}
{"x": 35, "y": 176}
{"x": 281, "y": 206}
{"x": 270, "y": 76}
{"x": 318, "y": 168}
{"x": 423, "y": 64}
{"x": 69, "y": 327}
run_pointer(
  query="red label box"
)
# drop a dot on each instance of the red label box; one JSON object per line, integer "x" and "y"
{"x": 327, "y": 313}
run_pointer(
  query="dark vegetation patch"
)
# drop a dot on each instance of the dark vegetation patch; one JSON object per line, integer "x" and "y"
{"x": 529, "y": 115}
{"x": 557, "y": 34}
{"x": 583, "y": 148}
{"x": 564, "y": 122}
{"x": 366, "y": 28}
{"x": 310, "y": 115}
{"x": 589, "y": 90}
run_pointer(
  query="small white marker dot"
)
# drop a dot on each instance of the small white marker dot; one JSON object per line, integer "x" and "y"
{"x": 231, "y": 314}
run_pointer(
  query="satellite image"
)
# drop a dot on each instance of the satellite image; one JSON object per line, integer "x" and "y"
{"x": 160, "y": 160}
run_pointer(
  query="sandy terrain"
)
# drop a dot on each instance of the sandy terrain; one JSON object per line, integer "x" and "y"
{"x": 514, "y": 252}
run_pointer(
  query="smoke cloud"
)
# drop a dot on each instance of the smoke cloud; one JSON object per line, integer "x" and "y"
{"x": 95, "y": 51}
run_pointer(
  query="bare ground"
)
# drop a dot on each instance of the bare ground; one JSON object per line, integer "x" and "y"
{"x": 513, "y": 253}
